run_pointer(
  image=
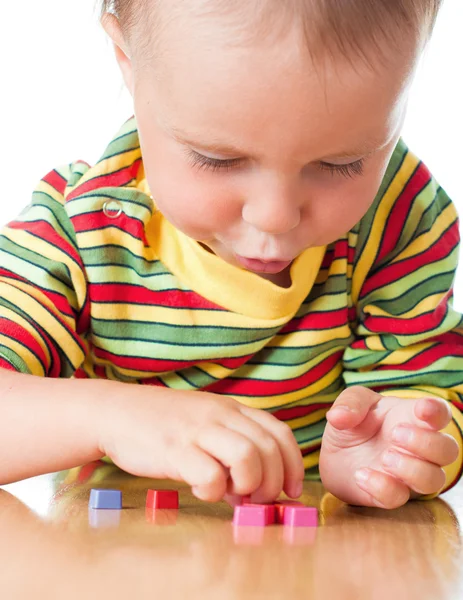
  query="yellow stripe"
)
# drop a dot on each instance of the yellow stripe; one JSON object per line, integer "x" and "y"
{"x": 311, "y": 337}
{"x": 426, "y": 305}
{"x": 425, "y": 241}
{"x": 47, "y": 250}
{"x": 21, "y": 322}
{"x": 176, "y": 316}
{"x": 38, "y": 295}
{"x": 310, "y": 419}
{"x": 272, "y": 402}
{"x": 29, "y": 358}
{"x": 47, "y": 321}
{"x": 311, "y": 460}
{"x": 368, "y": 255}
{"x": 48, "y": 189}
{"x": 110, "y": 165}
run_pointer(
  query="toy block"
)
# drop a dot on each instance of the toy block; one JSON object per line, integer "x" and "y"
{"x": 299, "y": 536}
{"x": 300, "y": 516}
{"x": 161, "y": 517}
{"x": 280, "y": 508}
{"x": 104, "y": 519}
{"x": 251, "y": 536}
{"x": 269, "y": 511}
{"x": 162, "y": 499}
{"x": 111, "y": 499}
{"x": 254, "y": 515}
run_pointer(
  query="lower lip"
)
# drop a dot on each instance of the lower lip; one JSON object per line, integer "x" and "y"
{"x": 260, "y": 266}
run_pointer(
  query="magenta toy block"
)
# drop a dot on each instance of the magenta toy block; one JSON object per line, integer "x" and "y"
{"x": 254, "y": 515}
{"x": 300, "y": 516}
{"x": 111, "y": 499}
{"x": 162, "y": 499}
{"x": 280, "y": 508}
{"x": 269, "y": 511}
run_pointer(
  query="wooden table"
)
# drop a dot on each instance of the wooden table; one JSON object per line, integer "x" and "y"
{"x": 52, "y": 546}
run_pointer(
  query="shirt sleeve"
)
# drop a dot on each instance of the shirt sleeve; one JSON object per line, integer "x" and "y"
{"x": 44, "y": 313}
{"x": 409, "y": 337}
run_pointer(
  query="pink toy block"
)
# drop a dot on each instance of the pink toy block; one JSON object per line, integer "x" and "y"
{"x": 255, "y": 515}
{"x": 281, "y": 506}
{"x": 269, "y": 511}
{"x": 162, "y": 499}
{"x": 300, "y": 516}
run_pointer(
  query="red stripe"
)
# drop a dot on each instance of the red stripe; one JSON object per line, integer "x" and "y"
{"x": 415, "y": 325}
{"x": 311, "y": 449}
{"x": 285, "y": 414}
{"x": 46, "y": 232}
{"x": 4, "y": 364}
{"x": 57, "y": 181}
{"x": 97, "y": 221}
{"x": 249, "y": 387}
{"x": 426, "y": 358}
{"x": 21, "y": 335}
{"x": 119, "y": 179}
{"x": 153, "y": 365}
{"x": 316, "y": 321}
{"x": 401, "y": 209}
{"x": 58, "y": 300}
{"x": 133, "y": 294}
{"x": 396, "y": 271}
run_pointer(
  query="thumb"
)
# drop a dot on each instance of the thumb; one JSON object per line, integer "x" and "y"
{"x": 351, "y": 407}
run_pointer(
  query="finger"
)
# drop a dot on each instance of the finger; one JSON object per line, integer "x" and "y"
{"x": 351, "y": 407}
{"x": 293, "y": 465}
{"x": 433, "y": 411}
{"x": 384, "y": 490}
{"x": 206, "y": 475}
{"x": 421, "y": 476}
{"x": 240, "y": 454}
{"x": 432, "y": 446}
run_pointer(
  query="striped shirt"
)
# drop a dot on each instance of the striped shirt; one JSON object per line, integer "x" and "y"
{"x": 96, "y": 283}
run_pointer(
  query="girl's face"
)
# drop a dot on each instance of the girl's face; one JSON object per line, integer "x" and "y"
{"x": 256, "y": 153}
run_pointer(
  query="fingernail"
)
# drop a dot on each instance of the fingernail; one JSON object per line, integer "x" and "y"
{"x": 297, "y": 488}
{"x": 345, "y": 409}
{"x": 402, "y": 435}
{"x": 362, "y": 475}
{"x": 391, "y": 459}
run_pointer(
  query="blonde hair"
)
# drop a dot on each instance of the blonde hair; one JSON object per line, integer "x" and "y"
{"x": 346, "y": 27}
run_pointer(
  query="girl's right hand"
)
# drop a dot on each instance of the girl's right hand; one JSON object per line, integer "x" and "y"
{"x": 220, "y": 447}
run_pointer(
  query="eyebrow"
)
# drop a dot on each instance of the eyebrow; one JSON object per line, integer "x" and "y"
{"x": 217, "y": 147}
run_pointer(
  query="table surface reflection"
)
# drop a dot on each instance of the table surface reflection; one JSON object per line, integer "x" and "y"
{"x": 53, "y": 546}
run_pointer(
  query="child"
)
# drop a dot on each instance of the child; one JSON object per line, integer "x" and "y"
{"x": 255, "y": 248}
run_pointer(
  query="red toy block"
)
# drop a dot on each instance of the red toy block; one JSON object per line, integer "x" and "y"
{"x": 300, "y": 516}
{"x": 269, "y": 511}
{"x": 162, "y": 499}
{"x": 161, "y": 517}
{"x": 280, "y": 508}
{"x": 250, "y": 515}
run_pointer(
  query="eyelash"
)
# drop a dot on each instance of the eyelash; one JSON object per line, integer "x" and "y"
{"x": 202, "y": 162}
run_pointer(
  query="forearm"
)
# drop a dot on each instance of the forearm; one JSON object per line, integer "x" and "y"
{"x": 48, "y": 425}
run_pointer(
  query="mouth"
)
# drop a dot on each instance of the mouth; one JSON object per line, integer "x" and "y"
{"x": 262, "y": 266}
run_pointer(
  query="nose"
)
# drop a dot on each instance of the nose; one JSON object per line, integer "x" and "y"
{"x": 273, "y": 212}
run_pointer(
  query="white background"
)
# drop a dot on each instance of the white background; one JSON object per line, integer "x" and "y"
{"x": 62, "y": 97}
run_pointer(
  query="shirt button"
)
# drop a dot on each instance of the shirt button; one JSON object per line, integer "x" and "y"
{"x": 112, "y": 209}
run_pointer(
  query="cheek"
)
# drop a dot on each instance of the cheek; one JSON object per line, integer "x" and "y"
{"x": 348, "y": 204}
{"x": 194, "y": 202}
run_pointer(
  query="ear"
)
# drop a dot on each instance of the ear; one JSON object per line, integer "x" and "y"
{"x": 111, "y": 25}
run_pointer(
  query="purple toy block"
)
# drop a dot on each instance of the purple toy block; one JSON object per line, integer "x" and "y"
{"x": 300, "y": 516}
{"x": 250, "y": 515}
{"x": 111, "y": 499}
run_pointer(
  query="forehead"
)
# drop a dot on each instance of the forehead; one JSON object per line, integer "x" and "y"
{"x": 272, "y": 93}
